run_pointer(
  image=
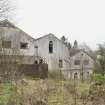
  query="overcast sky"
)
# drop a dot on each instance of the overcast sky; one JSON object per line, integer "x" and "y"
{"x": 83, "y": 20}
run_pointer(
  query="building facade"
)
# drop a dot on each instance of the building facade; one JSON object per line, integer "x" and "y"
{"x": 47, "y": 49}
{"x": 82, "y": 65}
{"x": 53, "y": 51}
{"x": 14, "y": 41}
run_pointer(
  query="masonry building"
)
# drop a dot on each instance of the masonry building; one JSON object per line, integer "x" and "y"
{"x": 47, "y": 49}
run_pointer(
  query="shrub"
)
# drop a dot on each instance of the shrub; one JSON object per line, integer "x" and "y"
{"x": 97, "y": 78}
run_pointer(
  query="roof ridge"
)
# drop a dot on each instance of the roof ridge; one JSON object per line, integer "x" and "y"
{"x": 48, "y": 35}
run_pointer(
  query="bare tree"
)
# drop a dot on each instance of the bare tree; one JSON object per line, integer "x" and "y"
{"x": 100, "y": 67}
{"x": 87, "y": 49}
{"x": 5, "y": 9}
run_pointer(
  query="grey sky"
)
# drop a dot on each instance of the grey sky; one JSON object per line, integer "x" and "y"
{"x": 83, "y": 20}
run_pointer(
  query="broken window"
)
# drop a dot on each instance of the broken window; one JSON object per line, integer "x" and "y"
{"x": 60, "y": 63}
{"x": 41, "y": 61}
{"x": 77, "y": 62}
{"x": 75, "y": 75}
{"x": 23, "y": 45}
{"x": 86, "y": 62}
{"x": 50, "y": 47}
{"x": 6, "y": 44}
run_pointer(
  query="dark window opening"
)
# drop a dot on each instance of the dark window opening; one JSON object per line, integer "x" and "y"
{"x": 60, "y": 63}
{"x": 36, "y": 47}
{"x": 50, "y": 47}
{"x": 36, "y": 62}
{"x": 6, "y": 44}
{"x": 41, "y": 61}
{"x": 77, "y": 62}
{"x": 23, "y": 45}
{"x": 75, "y": 75}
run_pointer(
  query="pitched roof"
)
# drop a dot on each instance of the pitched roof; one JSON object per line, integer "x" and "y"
{"x": 6, "y": 23}
{"x": 50, "y": 34}
{"x": 73, "y": 52}
{"x": 42, "y": 37}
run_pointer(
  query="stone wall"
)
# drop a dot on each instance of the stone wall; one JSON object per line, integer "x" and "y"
{"x": 18, "y": 70}
{"x": 34, "y": 70}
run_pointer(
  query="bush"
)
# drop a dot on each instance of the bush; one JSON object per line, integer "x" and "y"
{"x": 98, "y": 78}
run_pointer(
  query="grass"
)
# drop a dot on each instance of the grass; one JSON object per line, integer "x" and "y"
{"x": 57, "y": 92}
{"x": 5, "y": 92}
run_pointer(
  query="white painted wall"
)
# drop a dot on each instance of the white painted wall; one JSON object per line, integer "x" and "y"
{"x": 60, "y": 51}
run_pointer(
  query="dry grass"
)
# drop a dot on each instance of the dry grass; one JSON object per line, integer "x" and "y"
{"x": 52, "y": 92}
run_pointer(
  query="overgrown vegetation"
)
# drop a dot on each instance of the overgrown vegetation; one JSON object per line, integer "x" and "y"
{"x": 55, "y": 75}
{"x": 8, "y": 94}
{"x": 53, "y": 91}
{"x": 100, "y": 61}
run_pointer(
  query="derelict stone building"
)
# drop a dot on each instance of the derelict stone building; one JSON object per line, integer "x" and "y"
{"x": 47, "y": 49}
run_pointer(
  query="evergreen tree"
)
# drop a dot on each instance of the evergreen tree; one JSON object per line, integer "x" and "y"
{"x": 69, "y": 45}
{"x": 75, "y": 44}
{"x": 63, "y": 39}
{"x": 5, "y": 9}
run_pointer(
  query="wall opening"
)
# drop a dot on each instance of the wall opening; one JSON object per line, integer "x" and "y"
{"x": 23, "y": 45}
{"x": 60, "y": 63}
{"x": 6, "y": 44}
{"x": 88, "y": 74}
{"x": 76, "y": 75}
{"x": 77, "y": 62}
{"x": 36, "y": 62}
{"x": 50, "y": 47}
{"x": 41, "y": 61}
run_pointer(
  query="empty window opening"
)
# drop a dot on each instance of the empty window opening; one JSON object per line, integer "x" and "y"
{"x": 36, "y": 62}
{"x": 50, "y": 47}
{"x": 23, "y": 45}
{"x": 75, "y": 75}
{"x": 86, "y": 62}
{"x": 36, "y": 47}
{"x": 6, "y": 44}
{"x": 41, "y": 61}
{"x": 60, "y": 63}
{"x": 77, "y": 62}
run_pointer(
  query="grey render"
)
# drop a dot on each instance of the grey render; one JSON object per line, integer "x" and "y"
{"x": 39, "y": 49}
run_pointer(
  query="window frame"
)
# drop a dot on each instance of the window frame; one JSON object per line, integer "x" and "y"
{"x": 76, "y": 62}
{"x": 6, "y": 44}
{"x": 26, "y": 45}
